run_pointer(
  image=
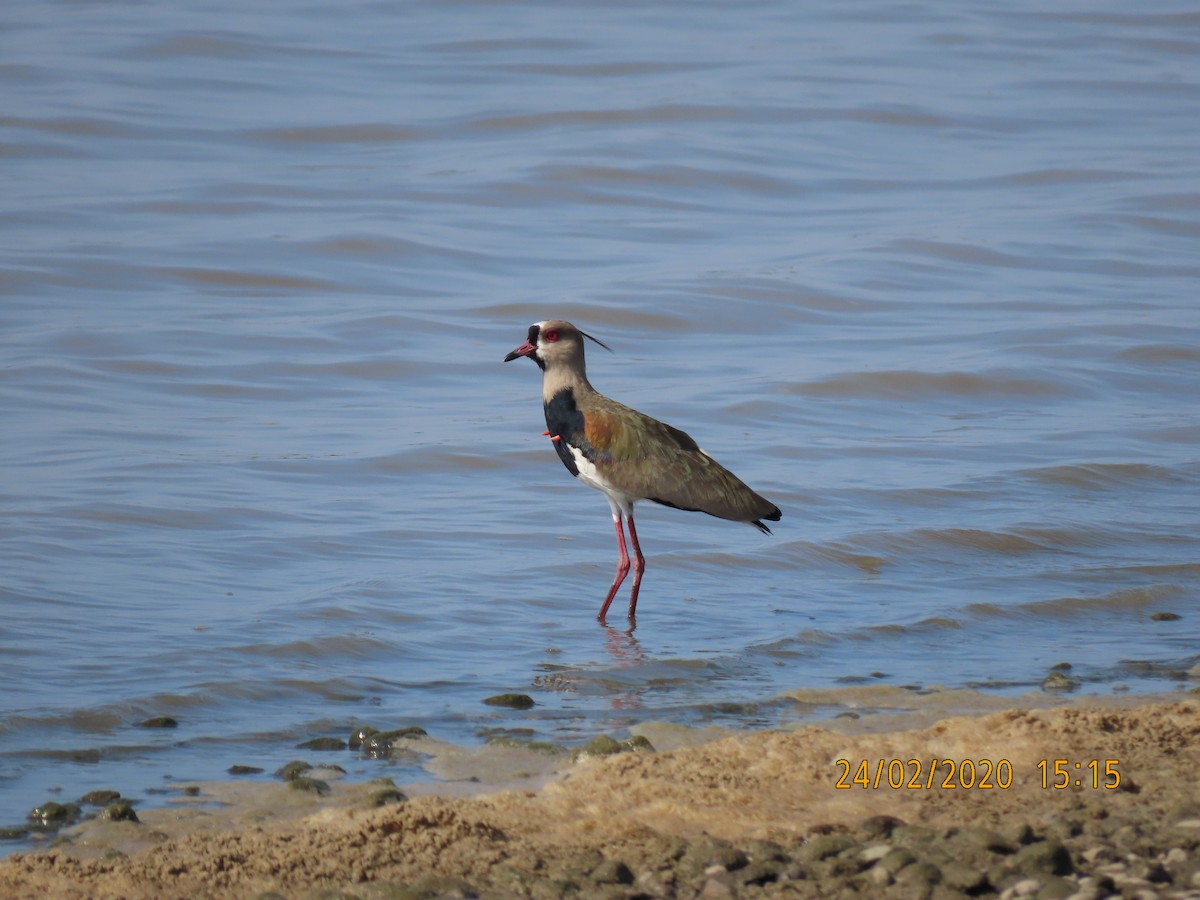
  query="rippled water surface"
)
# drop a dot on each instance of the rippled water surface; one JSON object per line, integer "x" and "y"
{"x": 925, "y": 275}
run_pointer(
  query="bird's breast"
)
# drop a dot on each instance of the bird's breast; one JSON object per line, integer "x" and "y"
{"x": 566, "y": 425}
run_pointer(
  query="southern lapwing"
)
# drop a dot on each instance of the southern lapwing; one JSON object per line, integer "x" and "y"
{"x": 627, "y": 455}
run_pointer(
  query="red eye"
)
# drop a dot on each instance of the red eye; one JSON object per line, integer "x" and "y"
{"x": 550, "y": 336}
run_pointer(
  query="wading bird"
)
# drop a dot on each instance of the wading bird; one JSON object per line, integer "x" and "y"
{"x": 628, "y": 455}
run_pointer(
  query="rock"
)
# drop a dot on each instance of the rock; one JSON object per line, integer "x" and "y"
{"x": 325, "y": 743}
{"x": 1048, "y": 857}
{"x": 1156, "y": 873}
{"x": 244, "y": 770}
{"x": 385, "y": 796}
{"x": 1101, "y": 853}
{"x": 293, "y": 770}
{"x": 513, "y": 701}
{"x": 119, "y": 812}
{"x": 603, "y": 745}
{"x": 311, "y": 785}
{"x": 1058, "y": 682}
{"x": 897, "y": 860}
{"x": 764, "y": 851}
{"x": 758, "y": 873}
{"x": 707, "y": 856}
{"x": 612, "y": 871}
{"x": 440, "y": 886}
{"x": 99, "y": 798}
{"x": 879, "y": 827}
{"x": 384, "y": 741}
{"x": 992, "y": 841}
{"x": 715, "y": 889}
{"x": 964, "y": 877}
{"x": 919, "y": 877}
{"x": 1066, "y": 826}
{"x": 158, "y": 722}
{"x": 824, "y": 846}
{"x": 875, "y": 852}
{"x": 548, "y": 747}
{"x": 53, "y": 814}
{"x": 1021, "y": 833}
{"x": 1057, "y": 888}
{"x": 1026, "y": 887}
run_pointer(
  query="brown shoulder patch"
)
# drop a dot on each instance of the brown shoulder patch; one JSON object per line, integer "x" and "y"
{"x": 600, "y": 429}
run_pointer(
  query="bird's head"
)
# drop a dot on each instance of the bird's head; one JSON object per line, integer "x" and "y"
{"x": 554, "y": 343}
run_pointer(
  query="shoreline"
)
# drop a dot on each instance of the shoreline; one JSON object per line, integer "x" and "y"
{"x": 748, "y": 814}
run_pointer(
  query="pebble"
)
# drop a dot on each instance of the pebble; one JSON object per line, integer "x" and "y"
{"x": 875, "y": 852}
{"x": 1025, "y": 888}
{"x": 1176, "y": 856}
{"x": 896, "y": 860}
{"x": 119, "y": 811}
{"x": 612, "y": 871}
{"x": 824, "y": 846}
{"x": 1056, "y": 888}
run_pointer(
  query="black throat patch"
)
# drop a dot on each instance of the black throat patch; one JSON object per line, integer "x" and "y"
{"x": 565, "y": 421}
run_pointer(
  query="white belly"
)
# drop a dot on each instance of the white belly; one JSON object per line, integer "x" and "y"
{"x": 620, "y": 502}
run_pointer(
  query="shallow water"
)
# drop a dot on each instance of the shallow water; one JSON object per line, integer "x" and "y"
{"x": 925, "y": 276}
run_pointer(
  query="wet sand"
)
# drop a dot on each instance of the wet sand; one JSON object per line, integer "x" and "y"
{"x": 745, "y": 815}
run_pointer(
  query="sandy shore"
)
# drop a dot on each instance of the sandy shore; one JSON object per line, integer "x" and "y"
{"x": 747, "y": 815}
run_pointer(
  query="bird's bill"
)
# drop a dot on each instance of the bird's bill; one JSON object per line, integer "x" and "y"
{"x": 526, "y": 349}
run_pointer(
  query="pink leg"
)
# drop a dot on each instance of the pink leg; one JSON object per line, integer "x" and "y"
{"x": 639, "y": 566}
{"x": 622, "y": 566}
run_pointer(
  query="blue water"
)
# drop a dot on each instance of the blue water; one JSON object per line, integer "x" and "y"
{"x": 925, "y": 276}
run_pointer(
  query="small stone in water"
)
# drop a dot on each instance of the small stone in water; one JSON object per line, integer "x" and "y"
{"x": 1057, "y": 681}
{"x": 324, "y": 743}
{"x": 513, "y": 701}
{"x": 380, "y": 743}
{"x": 384, "y": 796}
{"x": 159, "y": 722}
{"x": 312, "y": 785}
{"x": 244, "y": 770}
{"x": 603, "y": 745}
{"x": 598, "y": 746}
{"x": 55, "y": 814}
{"x": 293, "y": 770}
{"x": 100, "y": 798}
{"x": 411, "y": 731}
{"x": 119, "y": 812}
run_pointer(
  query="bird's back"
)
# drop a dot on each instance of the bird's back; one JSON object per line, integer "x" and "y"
{"x": 648, "y": 459}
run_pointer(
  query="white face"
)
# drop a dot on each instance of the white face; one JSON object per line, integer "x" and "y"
{"x": 551, "y": 334}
